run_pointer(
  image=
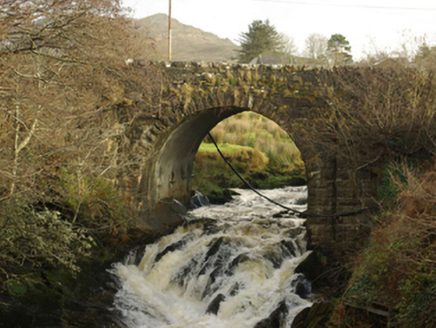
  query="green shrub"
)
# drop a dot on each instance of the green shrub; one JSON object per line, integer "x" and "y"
{"x": 96, "y": 202}
{"x": 36, "y": 238}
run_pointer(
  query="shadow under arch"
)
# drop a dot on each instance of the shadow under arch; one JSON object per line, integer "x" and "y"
{"x": 168, "y": 175}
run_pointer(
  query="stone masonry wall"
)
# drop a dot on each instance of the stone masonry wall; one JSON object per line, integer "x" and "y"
{"x": 197, "y": 96}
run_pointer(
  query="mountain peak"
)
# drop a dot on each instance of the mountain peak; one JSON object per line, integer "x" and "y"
{"x": 188, "y": 43}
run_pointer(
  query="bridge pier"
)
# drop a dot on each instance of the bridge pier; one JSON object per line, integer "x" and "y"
{"x": 338, "y": 190}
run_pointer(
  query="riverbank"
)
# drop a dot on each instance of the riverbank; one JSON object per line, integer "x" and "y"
{"x": 54, "y": 296}
{"x": 390, "y": 282}
{"x": 213, "y": 177}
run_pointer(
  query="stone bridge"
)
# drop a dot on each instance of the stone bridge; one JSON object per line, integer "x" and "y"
{"x": 195, "y": 97}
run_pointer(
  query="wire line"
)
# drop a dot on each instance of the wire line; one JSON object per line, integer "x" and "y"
{"x": 291, "y": 2}
{"x": 302, "y": 214}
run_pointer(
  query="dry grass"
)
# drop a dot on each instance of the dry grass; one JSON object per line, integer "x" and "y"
{"x": 257, "y": 147}
{"x": 248, "y": 158}
{"x": 253, "y": 130}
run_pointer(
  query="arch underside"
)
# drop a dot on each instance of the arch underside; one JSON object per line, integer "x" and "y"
{"x": 169, "y": 175}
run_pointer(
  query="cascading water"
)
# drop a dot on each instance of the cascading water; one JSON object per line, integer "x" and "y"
{"x": 229, "y": 266}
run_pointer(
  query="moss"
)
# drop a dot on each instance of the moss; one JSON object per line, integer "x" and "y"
{"x": 387, "y": 189}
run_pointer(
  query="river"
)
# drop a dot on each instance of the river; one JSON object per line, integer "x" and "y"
{"x": 230, "y": 265}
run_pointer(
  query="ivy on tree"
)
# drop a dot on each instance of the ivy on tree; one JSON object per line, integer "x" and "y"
{"x": 261, "y": 37}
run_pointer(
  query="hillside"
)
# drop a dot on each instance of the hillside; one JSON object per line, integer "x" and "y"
{"x": 188, "y": 43}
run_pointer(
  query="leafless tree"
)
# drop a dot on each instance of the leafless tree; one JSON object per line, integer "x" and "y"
{"x": 316, "y": 46}
{"x": 289, "y": 46}
{"x": 63, "y": 83}
{"x": 379, "y": 114}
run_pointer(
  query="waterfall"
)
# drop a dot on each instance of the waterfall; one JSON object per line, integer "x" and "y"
{"x": 229, "y": 266}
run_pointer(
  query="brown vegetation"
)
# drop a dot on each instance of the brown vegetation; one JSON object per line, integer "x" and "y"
{"x": 394, "y": 276}
{"x": 386, "y": 122}
{"x": 375, "y": 118}
{"x": 63, "y": 81}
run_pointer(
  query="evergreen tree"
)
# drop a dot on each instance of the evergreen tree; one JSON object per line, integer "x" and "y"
{"x": 261, "y": 37}
{"x": 338, "y": 50}
{"x": 338, "y": 43}
{"x": 426, "y": 57}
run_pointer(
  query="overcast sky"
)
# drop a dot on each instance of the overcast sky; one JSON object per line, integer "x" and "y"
{"x": 368, "y": 24}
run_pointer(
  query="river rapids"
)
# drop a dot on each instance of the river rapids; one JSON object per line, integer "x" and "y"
{"x": 230, "y": 265}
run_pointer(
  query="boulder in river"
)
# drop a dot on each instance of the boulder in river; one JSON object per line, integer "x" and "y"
{"x": 214, "y": 306}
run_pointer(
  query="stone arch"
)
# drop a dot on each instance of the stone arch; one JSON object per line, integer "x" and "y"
{"x": 167, "y": 176}
{"x": 196, "y": 98}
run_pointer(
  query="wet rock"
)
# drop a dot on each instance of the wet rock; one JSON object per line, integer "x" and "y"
{"x": 198, "y": 200}
{"x": 328, "y": 278}
{"x": 136, "y": 255}
{"x": 212, "y": 285}
{"x": 214, "y": 247}
{"x": 235, "y": 289}
{"x": 168, "y": 213}
{"x": 210, "y": 227}
{"x": 315, "y": 316}
{"x": 221, "y": 197}
{"x": 313, "y": 268}
{"x": 276, "y": 319}
{"x": 288, "y": 248}
{"x": 281, "y": 214}
{"x": 174, "y": 205}
{"x": 217, "y": 258}
{"x": 214, "y": 306}
{"x": 275, "y": 258}
{"x": 301, "y": 201}
{"x": 170, "y": 248}
{"x": 186, "y": 272}
{"x": 235, "y": 262}
{"x": 301, "y": 286}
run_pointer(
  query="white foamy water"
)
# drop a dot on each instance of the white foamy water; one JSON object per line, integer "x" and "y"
{"x": 231, "y": 266}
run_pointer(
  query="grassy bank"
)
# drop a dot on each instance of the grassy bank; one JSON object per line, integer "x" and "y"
{"x": 258, "y": 149}
{"x": 258, "y": 132}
